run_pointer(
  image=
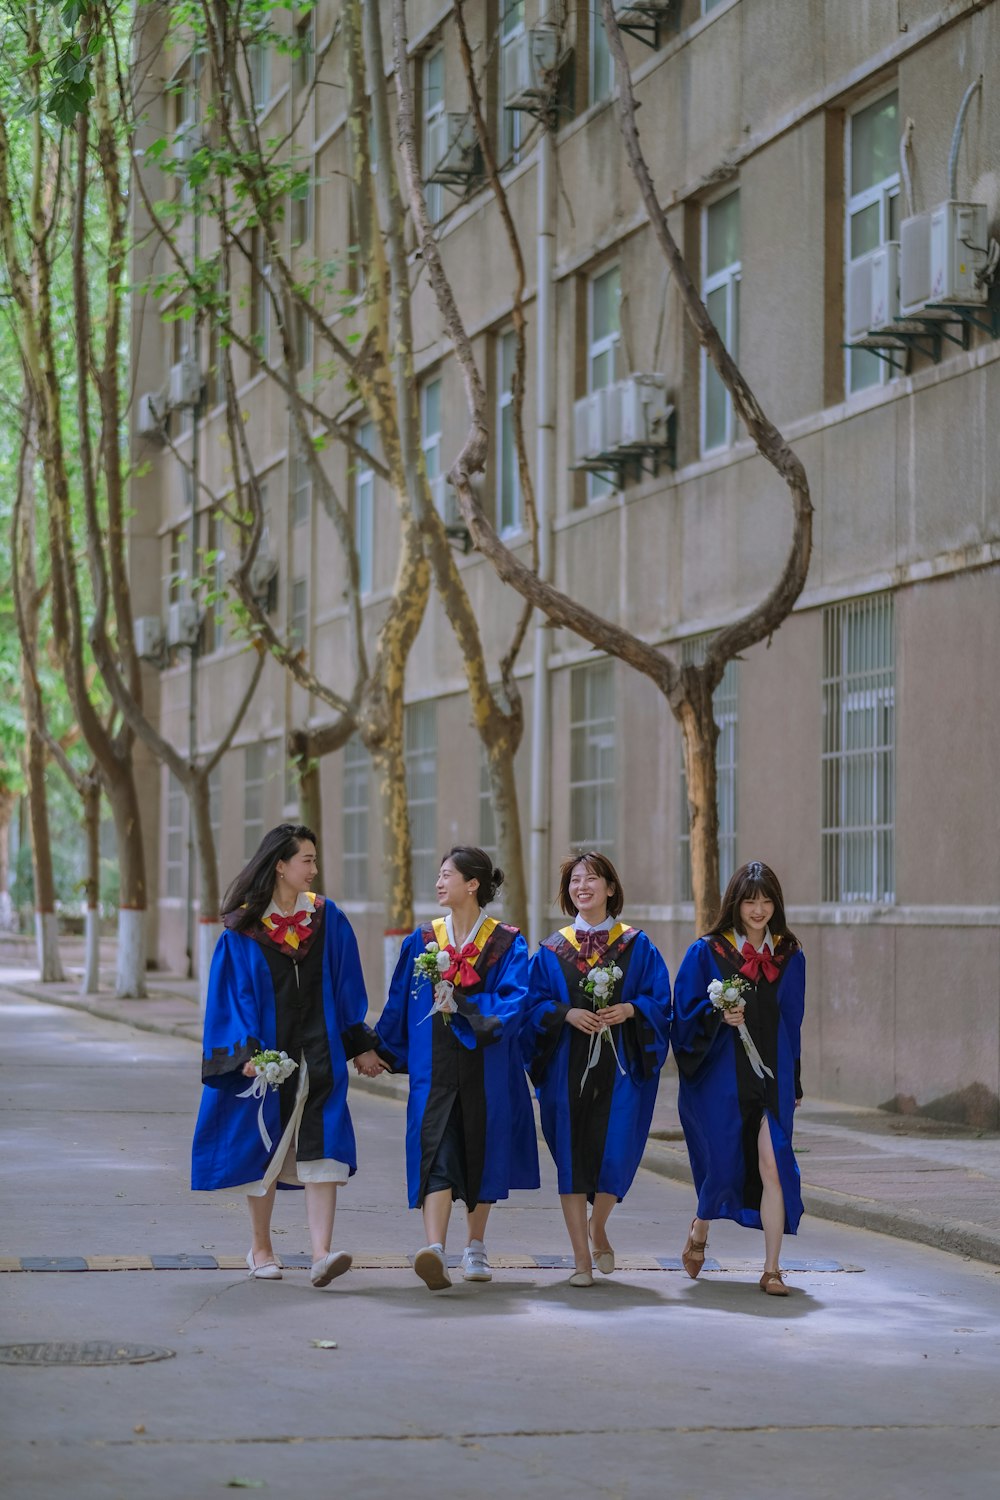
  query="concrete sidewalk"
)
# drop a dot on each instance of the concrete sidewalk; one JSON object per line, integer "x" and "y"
{"x": 901, "y": 1175}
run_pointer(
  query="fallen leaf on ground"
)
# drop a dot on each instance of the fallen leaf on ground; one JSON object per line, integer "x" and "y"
{"x": 323, "y": 1343}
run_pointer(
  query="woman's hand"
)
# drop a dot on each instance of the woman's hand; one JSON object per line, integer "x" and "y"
{"x": 734, "y": 1017}
{"x": 370, "y": 1064}
{"x": 587, "y": 1021}
{"x": 249, "y": 1071}
{"x": 615, "y": 1015}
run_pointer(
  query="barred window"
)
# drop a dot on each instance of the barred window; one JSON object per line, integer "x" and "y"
{"x": 253, "y": 798}
{"x": 420, "y": 753}
{"x": 592, "y": 757}
{"x": 487, "y": 817}
{"x": 176, "y": 808}
{"x": 858, "y": 757}
{"x": 725, "y": 704}
{"x": 357, "y": 779}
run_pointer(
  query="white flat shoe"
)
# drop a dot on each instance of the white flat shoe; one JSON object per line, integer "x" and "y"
{"x": 432, "y": 1268}
{"x": 269, "y": 1271}
{"x": 330, "y": 1267}
{"x": 581, "y": 1278}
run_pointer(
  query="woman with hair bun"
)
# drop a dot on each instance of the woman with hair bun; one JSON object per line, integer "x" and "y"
{"x": 739, "y": 1068}
{"x": 286, "y": 976}
{"x": 451, "y": 1021}
{"x": 594, "y": 1040}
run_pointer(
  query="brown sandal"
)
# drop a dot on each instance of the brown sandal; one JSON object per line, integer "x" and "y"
{"x": 772, "y": 1284}
{"x": 693, "y": 1254}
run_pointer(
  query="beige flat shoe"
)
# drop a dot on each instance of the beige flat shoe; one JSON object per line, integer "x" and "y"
{"x": 331, "y": 1266}
{"x": 772, "y": 1284}
{"x": 604, "y": 1260}
{"x": 268, "y": 1270}
{"x": 581, "y": 1278}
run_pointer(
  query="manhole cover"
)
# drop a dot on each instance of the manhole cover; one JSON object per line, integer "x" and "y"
{"x": 93, "y": 1353}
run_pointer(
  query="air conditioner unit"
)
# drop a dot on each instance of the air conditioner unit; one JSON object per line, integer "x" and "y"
{"x": 529, "y": 64}
{"x": 942, "y": 253}
{"x": 873, "y": 291}
{"x": 435, "y": 143}
{"x": 183, "y": 624}
{"x": 459, "y": 160}
{"x": 147, "y": 632}
{"x": 262, "y": 572}
{"x": 597, "y": 424}
{"x": 184, "y": 385}
{"x": 644, "y": 411}
{"x": 149, "y": 416}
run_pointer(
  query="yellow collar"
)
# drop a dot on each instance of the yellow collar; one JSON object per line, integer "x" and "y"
{"x": 614, "y": 933}
{"x": 482, "y": 937}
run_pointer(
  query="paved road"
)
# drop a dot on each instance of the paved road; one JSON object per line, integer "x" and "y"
{"x": 880, "y": 1378}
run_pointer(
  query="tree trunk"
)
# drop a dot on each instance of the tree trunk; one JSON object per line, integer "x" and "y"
{"x": 130, "y": 979}
{"x": 46, "y": 928}
{"x": 8, "y": 801}
{"x": 701, "y": 733}
{"x": 503, "y": 787}
{"x": 389, "y": 765}
{"x": 310, "y": 796}
{"x": 92, "y": 915}
{"x": 209, "y": 899}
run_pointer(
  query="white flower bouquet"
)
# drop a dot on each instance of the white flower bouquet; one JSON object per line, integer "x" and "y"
{"x": 431, "y": 965}
{"x": 271, "y": 1069}
{"x": 599, "y": 985}
{"x": 729, "y": 994}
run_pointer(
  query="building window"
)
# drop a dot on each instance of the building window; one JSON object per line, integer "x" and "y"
{"x": 720, "y": 290}
{"x": 184, "y": 121}
{"x": 217, "y": 565}
{"x": 259, "y": 62}
{"x": 364, "y": 510}
{"x": 420, "y": 754}
{"x": 513, "y": 124}
{"x": 487, "y": 817}
{"x": 304, "y": 61}
{"x": 872, "y": 207}
{"x": 604, "y": 293}
{"x": 299, "y": 621}
{"x": 725, "y": 704}
{"x": 302, "y": 216}
{"x": 218, "y": 345}
{"x": 508, "y": 478}
{"x": 253, "y": 798}
{"x": 301, "y": 483}
{"x": 707, "y": 5}
{"x": 435, "y": 129}
{"x": 602, "y": 65}
{"x": 176, "y": 808}
{"x": 357, "y": 780}
{"x": 859, "y": 772}
{"x": 430, "y": 442}
{"x": 592, "y": 757}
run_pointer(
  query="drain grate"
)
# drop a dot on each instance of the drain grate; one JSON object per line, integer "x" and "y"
{"x": 94, "y": 1352}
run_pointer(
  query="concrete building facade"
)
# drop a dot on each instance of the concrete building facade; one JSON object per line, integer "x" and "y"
{"x": 794, "y": 143}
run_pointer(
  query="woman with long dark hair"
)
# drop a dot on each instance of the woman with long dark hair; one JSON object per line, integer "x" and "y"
{"x": 738, "y": 1005}
{"x": 451, "y": 1022}
{"x": 285, "y": 977}
{"x": 594, "y": 1040}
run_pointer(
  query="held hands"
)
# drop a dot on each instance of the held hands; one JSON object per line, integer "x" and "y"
{"x": 370, "y": 1064}
{"x": 589, "y": 1021}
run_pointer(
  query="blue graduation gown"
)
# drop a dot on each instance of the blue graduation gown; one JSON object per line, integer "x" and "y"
{"x": 719, "y": 1101}
{"x": 474, "y": 1060}
{"x": 596, "y": 1129}
{"x": 241, "y": 1018}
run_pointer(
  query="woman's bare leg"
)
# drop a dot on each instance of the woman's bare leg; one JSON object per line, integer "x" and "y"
{"x": 261, "y": 1210}
{"x": 574, "y": 1207}
{"x": 476, "y": 1222}
{"x": 772, "y": 1202}
{"x": 437, "y": 1212}
{"x": 321, "y": 1205}
{"x": 603, "y": 1204}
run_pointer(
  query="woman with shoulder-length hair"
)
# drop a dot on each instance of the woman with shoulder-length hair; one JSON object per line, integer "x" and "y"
{"x": 594, "y": 1039}
{"x": 451, "y": 1022}
{"x": 285, "y": 977}
{"x": 738, "y": 1005}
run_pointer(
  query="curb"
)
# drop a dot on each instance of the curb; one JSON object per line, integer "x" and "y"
{"x": 956, "y": 1236}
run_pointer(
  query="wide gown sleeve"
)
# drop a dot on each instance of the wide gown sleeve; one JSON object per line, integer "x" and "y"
{"x": 791, "y": 1007}
{"x": 232, "y": 1030}
{"x": 482, "y": 1019}
{"x": 648, "y": 987}
{"x": 392, "y": 1031}
{"x": 696, "y": 1023}
{"x": 545, "y": 1014}
{"x": 349, "y": 987}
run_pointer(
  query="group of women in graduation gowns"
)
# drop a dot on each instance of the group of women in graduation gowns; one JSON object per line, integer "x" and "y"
{"x": 467, "y": 1017}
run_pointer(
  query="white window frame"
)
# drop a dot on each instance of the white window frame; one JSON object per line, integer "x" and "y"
{"x": 882, "y": 193}
{"x": 596, "y": 29}
{"x": 301, "y": 482}
{"x": 355, "y": 806}
{"x": 513, "y": 122}
{"x": 597, "y": 487}
{"x": 259, "y": 64}
{"x": 728, "y": 278}
{"x": 298, "y": 612}
{"x": 599, "y": 733}
{"x": 433, "y": 191}
{"x": 850, "y": 839}
{"x": 505, "y": 405}
{"x": 304, "y": 64}
{"x": 364, "y": 512}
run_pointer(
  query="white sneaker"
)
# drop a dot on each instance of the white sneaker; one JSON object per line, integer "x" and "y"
{"x": 432, "y": 1268}
{"x": 475, "y": 1266}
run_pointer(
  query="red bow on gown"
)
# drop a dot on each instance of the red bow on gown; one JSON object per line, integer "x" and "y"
{"x": 755, "y": 964}
{"x": 282, "y": 928}
{"x": 593, "y": 944}
{"x": 462, "y": 971}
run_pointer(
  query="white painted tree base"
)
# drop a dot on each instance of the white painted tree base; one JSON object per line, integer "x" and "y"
{"x": 208, "y": 936}
{"x": 92, "y": 952}
{"x": 130, "y": 979}
{"x": 47, "y": 942}
{"x": 6, "y": 912}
